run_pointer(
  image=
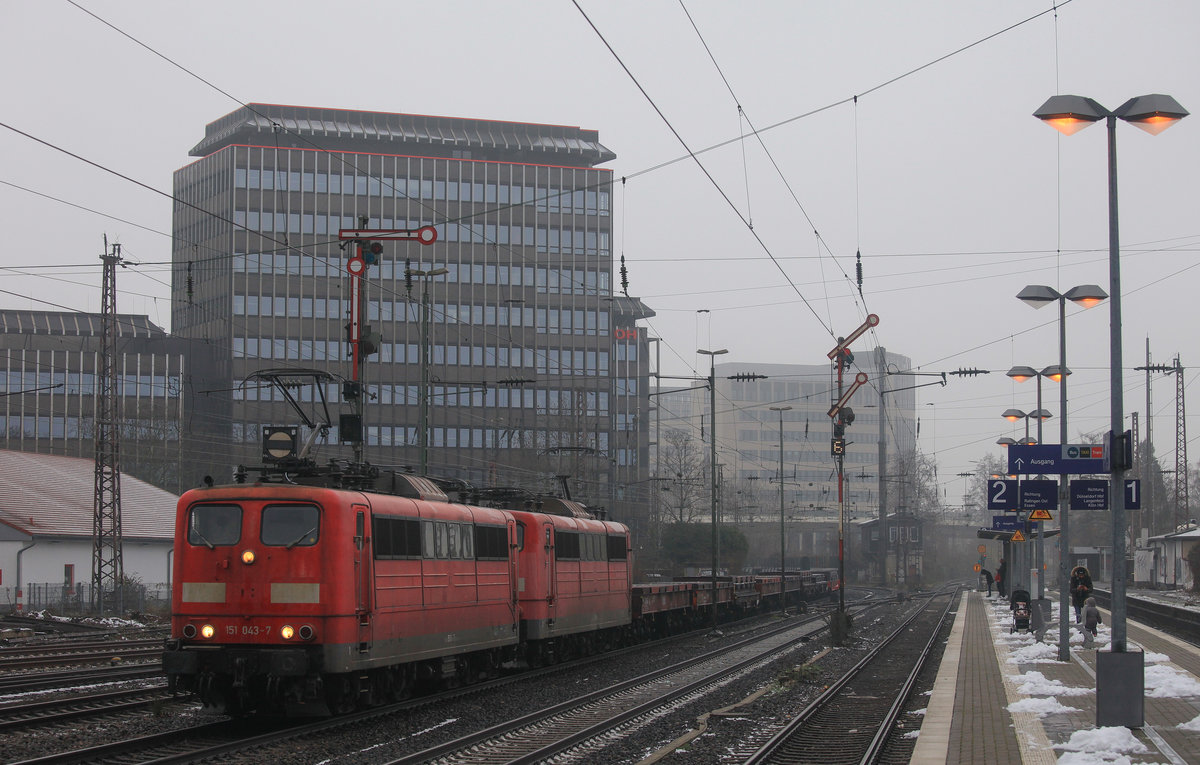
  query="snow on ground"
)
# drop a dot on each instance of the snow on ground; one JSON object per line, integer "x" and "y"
{"x": 1040, "y": 707}
{"x": 1100, "y": 745}
{"x": 1111, "y": 746}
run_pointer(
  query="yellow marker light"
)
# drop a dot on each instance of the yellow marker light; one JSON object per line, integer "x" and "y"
{"x": 248, "y": 557}
{"x": 207, "y": 631}
{"x": 287, "y": 632}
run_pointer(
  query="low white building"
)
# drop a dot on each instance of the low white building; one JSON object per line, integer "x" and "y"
{"x": 46, "y": 522}
{"x": 1162, "y": 561}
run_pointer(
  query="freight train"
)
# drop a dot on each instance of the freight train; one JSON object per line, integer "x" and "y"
{"x": 319, "y": 595}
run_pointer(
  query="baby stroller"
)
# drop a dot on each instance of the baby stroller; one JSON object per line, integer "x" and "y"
{"x": 1020, "y": 609}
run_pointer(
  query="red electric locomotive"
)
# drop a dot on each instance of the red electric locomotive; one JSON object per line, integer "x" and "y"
{"x": 305, "y": 599}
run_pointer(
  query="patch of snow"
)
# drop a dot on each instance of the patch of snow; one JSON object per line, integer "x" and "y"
{"x": 1040, "y": 707}
{"x": 1107, "y": 743}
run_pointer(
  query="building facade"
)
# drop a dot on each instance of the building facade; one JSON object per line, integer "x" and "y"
{"x": 748, "y": 433}
{"x": 48, "y": 367}
{"x": 534, "y": 365}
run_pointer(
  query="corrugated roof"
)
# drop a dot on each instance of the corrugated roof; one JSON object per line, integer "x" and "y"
{"x": 42, "y": 494}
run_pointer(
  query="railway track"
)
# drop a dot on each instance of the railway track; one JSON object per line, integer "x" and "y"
{"x": 581, "y": 726}
{"x": 852, "y": 721}
{"x": 224, "y": 740}
{"x": 77, "y": 706}
{"x": 24, "y": 682}
{"x": 68, "y": 654}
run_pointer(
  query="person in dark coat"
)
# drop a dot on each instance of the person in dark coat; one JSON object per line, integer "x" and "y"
{"x": 1081, "y": 590}
{"x": 1002, "y": 578}
{"x": 987, "y": 577}
{"x": 1091, "y": 619}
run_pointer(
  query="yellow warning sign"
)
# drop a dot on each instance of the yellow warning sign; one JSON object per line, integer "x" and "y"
{"x": 1040, "y": 515}
{"x": 1018, "y": 536}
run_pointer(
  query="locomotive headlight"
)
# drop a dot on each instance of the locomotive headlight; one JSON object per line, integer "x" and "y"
{"x": 248, "y": 557}
{"x": 287, "y": 632}
{"x": 207, "y": 631}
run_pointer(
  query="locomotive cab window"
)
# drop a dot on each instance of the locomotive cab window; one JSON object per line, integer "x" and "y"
{"x": 291, "y": 525}
{"x": 215, "y": 525}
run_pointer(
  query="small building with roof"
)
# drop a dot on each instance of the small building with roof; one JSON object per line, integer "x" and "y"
{"x": 46, "y": 524}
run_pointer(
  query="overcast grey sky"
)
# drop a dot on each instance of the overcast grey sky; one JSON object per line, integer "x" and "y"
{"x": 956, "y": 196}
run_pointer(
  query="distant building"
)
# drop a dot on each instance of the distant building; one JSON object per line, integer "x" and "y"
{"x": 46, "y": 532}
{"x": 536, "y": 364}
{"x": 748, "y": 432}
{"x": 48, "y": 366}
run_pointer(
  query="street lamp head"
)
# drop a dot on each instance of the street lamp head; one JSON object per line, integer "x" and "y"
{"x": 1086, "y": 295}
{"x": 1056, "y": 372}
{"x": 1070, "y": 114}
{"x": 1027, "y": 441}
{"x": 1005, "y": 442}
{"x": 1021, "y": 374}
{"x": 1153, "y": 113}
{"x": 1012, "y": 415}
{"x": 779, "y": 408}
{"x": 1040, "y": 414}
{"x": 1038, "y": 295}
{"x": 713, "y": 353}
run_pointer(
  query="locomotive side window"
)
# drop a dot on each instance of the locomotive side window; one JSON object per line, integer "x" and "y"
{"x": 215, "y": 525}
{"x": 566, "y": 545}
{"x": 396, "y": 537}
{"x": 491, "y": 543}
{"x": 520, "y": 536}
{"x": 448, "y": 541}
{"x": 617, "y": 549}
{"x": 291, "y": 525}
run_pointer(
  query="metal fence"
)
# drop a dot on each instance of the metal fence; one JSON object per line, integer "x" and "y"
{"x": 79, "y": 601}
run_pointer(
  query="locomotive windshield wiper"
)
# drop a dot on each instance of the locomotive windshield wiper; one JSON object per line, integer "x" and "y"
{"x": 204, "y": 539}
{"x": 299, "y": 539}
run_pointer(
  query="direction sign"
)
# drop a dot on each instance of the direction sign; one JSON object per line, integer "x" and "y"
{"x": 1089, "y": 494}
{"x": 1005, "y": 523}
{"x": 1038, "y": 495}
{"x": 1001, "y": 494}
{"x": 1040, "y": 515}
{"x": 1056, "y": 458}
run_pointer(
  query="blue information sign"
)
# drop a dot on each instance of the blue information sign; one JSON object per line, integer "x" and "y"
{"x": 1006, "y": 523}
{"x": 1039, "y": 495}
{"x": 1056, "y": 458}
{"x": 1133, "y": 494}
{"x": 1002, "y": 494}
{"x": 1089, "y": 494}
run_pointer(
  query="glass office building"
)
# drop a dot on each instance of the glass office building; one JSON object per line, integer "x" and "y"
{"x": 49, "y": 363}
{"x": 536, "y": 367}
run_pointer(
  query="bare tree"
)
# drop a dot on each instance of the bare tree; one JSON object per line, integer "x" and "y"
{"x": 681, "y": 462}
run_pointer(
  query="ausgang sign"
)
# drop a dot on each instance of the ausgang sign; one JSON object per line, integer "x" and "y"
{"x": 1056, "y": 459}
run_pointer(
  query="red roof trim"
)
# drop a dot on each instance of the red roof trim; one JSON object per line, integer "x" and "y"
{"x": 406, "y": 156}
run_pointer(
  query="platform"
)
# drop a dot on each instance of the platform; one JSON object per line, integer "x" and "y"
{"x": 990, "y": 704}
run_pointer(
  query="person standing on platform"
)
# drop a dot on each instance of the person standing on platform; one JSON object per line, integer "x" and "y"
{"x": 987, "y": 577}
{"x": 1001, "y": 578}
{"x": 1091, "y": 620}
{"x": 1081, "y": 589}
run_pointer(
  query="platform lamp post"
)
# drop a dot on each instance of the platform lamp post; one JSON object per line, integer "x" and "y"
{"x": 1021, "y": 563}
{"x": 1086, "y": 295}
{"x": 712, "y": 437}
{"x": 782, "y": 516}
{"x": 1119, "y": 674}
{"x": 1021, "y": 374}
